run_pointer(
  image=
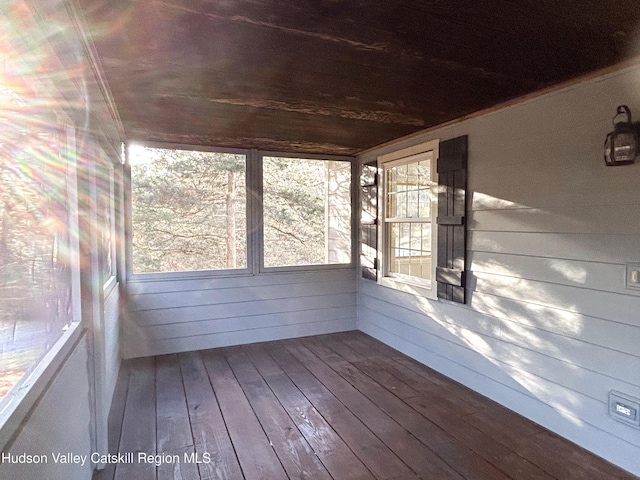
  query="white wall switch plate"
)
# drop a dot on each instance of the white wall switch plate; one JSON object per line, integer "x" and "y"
{"x": 633, "y": 276}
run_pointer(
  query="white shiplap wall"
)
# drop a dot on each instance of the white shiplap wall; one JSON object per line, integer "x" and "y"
{"x": 550, "y": 328}
{"x": 59, "y": 423}
{"x": 167, "y": 316}
{"x": 111, "y": 343}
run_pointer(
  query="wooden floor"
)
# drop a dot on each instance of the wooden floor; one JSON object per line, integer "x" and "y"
{"x": 341, "y": 406}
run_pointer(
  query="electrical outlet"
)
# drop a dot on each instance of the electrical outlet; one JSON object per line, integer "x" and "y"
{"x": 624, "y": 408}
{"x": 633, "y": 276}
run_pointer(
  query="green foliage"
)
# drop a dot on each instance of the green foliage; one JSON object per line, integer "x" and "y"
{"x": 180, "y": 202}
{"x": 189, "y": 211}
{"x": 35, "y": 282}
{"x": 294, "y": 211}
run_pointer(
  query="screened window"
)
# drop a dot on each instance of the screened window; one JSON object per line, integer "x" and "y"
{"x": 307, "y": 211}
{"x": 37, "y": 251}
{"x": 188, "y": 210}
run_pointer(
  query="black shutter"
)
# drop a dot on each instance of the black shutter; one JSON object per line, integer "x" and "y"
{"x": 452, "y": 228}
{"x": 369, "y": 220}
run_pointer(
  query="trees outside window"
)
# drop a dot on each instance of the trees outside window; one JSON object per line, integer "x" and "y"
{"x": 307, "y": 211}
{"x": 188, "y": 210}
{"x": 36, "y": 251}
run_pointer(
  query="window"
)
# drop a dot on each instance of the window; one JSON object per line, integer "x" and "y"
{"x": 409, "y": 205}
{"x": 38, "y": 249}
{"x": 105, "y": 187}
{"x": 188, "y": 210}
{"x": 307, "y": 211}
{"x": 191, "y": 211}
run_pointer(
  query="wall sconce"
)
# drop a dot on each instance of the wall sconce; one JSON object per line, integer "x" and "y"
{"x": 621, "y": 145}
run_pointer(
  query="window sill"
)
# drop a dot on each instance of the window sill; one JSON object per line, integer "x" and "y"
{"x": 421, "y": 289}
{"x": 307, "y": 268}
{"x": 16, "y": 406}
{"x": 189, "y": 275}
{"x": 109, "y": 286}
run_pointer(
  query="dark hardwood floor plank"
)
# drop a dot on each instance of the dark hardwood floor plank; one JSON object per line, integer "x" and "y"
{"x": 566, "y": 460}
{"x": 255, "y": 453}
{"x": 139, "y": 425}
{"x": 378, "y": 458}
{"x": 500, "y": 427}
{"x": 494, "y": 419}
{"x": 401, "y": 381}
{"x": 500, "y": 423}
{"x": 492, "y": 450}
{"x": 398, "y": 440}
{"x": 489, "y": 448}
{"x": 525, "y": 438}
{"x": 295, "y": 454}
{"x": 115, "y": 422}
{"x": 459, "y": 457}
{"x": 391, "y": 381}
{"x": 415, "y": 453}
{"x": 423, "y": 378}
{"x": 207, "y": 425}
{"x": 173, "y": 433}
{"x": 334, "y": 453}
{"x": 338, "y": 406}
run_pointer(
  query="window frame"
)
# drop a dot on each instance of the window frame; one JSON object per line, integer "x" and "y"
{"x": 424, "y": 287}
{"x": 254, "y": 216}
{"x": 190, "y": 274}
{"x": 353, "y": 193}
{"x": 106, "y": 199}
{"x": 17, "y": 404}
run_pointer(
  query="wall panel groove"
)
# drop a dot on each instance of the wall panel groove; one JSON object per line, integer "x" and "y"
{"x": 550, "y": 327}
{"x": 175, "y": 315}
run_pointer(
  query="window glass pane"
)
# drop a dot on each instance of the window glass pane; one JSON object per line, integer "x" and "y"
{"x": 410, "y": 249}
{"x": 391, "y": 176}
{"x": 413, "y": 207}
{"x": 36, "y": 252}
{"x": 106, "y": 219}
{"x": 408, "y": 190}
{"x": 424, "y": 173}
{"x": 416, "y": 237}
{"x": 424, "y": 203}
{"x": 401, "y": 177}
{"x": 405, "y": 235}
{"x": 408, "y": 212}
{"x": 426, "y": 238}
{"x": 188, "y": 210}
{"x": 307, "y": 211}
{"x": 401, "y": 202}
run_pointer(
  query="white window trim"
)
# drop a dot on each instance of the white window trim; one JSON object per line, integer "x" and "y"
{"x": 424, "y": 288}
{"x": 316, "y": 266}
{"x": 205, "y": 273}
{"x": 254, "y": 184}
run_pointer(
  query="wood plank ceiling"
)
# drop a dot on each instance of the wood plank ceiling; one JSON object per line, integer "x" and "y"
{"x": 339, "y": 76}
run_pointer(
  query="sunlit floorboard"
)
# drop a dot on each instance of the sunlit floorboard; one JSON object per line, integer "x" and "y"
{"x": 341, "y": 406}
